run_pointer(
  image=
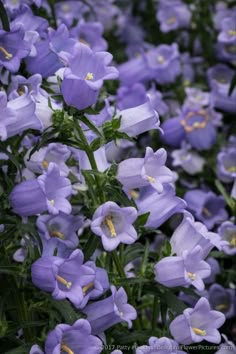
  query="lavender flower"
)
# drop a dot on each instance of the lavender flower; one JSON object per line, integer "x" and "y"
{"x": 114, "y": 225}
{"x": 226, "y": 165}
{"x": 8, "y": 116}
{"x": 151, "y": 170}
{"x": 227, "y": 231}
{"x": 197, "y": 324}
{"x": 183, "y": 271}
{"x": 106, "y": 313}
{"x": 35, "y": 349}
{"x": 84, "y": 76}
{"x": 190, "y": 161}
{"x": 172, "y": 17}
{"x": 160, "y": 345}
{"x": 206, "y": 206}
{"x": 215, "y": 270}
{"x": 222, "y": 299}
{"x": 73, "y": 339}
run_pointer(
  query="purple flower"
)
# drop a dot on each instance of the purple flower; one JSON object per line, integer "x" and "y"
{"x": 197, "y": 324}
{"x": 215, "y": 269}
{"x": 174, "y": 16}
{"x": 190, "y": 161}
{"x": 106, "y": 313}
{"x": 160, "y": 345}
{"x": 222, "y": 300}
{"x": 114, "y": 225}
{"x": 48, "y": 192}
{"x": 206, "y": 206}
{"x": 226, "y": 165}
{"x": 196, "y": 97}
{"x": 85, "y": 75}
{"x": 151, "y": 170}
{"x": 183, "y": 271}
{"x": 138, "y": 120}
{"x": 227, "y": 231}
{"x": 220, "y": 77}
{"x": 157, "y": 101}
{"x": 129, "y": 97}
{"x": 73, "y": 339}
{"x": 189, "y": 234}
{"x": 228, "y": 33}
{"x": 58, "y": 232}
{"x": 227, "y": 347}
{"x": 35, "y": 349}
{"x": 90, "y": 33}
{"x": 161, "y": 206}
{"x": 13, "y": 48}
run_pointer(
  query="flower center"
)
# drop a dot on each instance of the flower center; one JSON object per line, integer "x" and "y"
{"x": 64, "y": 281}
{"x": 52, "y": 201}
{"x": 232, "y": 32}
{"x": 196, "y": 125}
{"x": 87, "y": 287}
{"x": 191, "y": 276}
{"x": 65, "y": 8}
{"x": 110, "y": 225}
{"x": 171, "y": 20}
{"x": 150, "y": 179}
{"x": 199, "y": 331}
{"x": 6, "y": 53}
{"x": 206, "y": 212}
{"x": 134, "y": 194}
{"x": 45, "y": 164}
{"x": 89, "y": 76}
{"x": 161, "y": 59}
{"x": 83, "y": 41}
{"x": 231, "y": 169}
{"x": 66, "y": 349}
{"x": 55, "y": 233}
{"x": 233, "y": 241}
{"x": 221, "y": 307}
{"x": 230, "y": 48}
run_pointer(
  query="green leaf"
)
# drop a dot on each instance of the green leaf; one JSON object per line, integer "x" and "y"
{"x": 97, "y": 143}
{"x": 69, "y": 314}
{"x": 90, "y": 125}
{"x": 133, "y": 252}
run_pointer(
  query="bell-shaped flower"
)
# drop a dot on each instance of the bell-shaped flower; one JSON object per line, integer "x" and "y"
{"x": 189, "y": 234}
{"x": 7, "y": 117}
{"x": 76, "y": 339}
{"x": 197, "y": 324}
{"x": 84, "y": 76}
{"x": 35, "y": 349}
{"x": 106, "y": 313}
{"x": 190, "y": 161}
{"x": 151, "y": 170}
{"x": 162, "y": 345}
{"x": 222, "y": 299}
{"x": 48, "y": 192}
{"x": 114, "y": 225}
{"x": 227, "y": 231}
{"x": 183, "y": 271}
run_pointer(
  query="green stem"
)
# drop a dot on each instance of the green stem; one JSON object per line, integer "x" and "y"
{"x": 54, "y": 18}
{"x": 155, "y": 312}
{"x": 4, "y": 18}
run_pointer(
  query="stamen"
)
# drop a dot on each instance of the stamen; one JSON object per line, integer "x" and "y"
{"x": 231, "y": 169}
{"x": 150, "y": 179}
{"x": 199, "y": 331}
{"x": 232, "y": 32}
{"x": 83, "y": 41}
{"x": 192, "y": 276}
{"x": 171, "y": 20}
{"x": 110, "y": 225}
{"x": 6, "y": 53}
{"x": 161, "y": 59}
{"x": 45, "y": 164}
{"x": 89, "y": 76}
{"x": 206, "y": 212}
{"x": 233, "y": 241}
{"x": 87, "y": 287}
{"x": 221, "y": 307}
{"x": 134, "y": 194}
{"x": 52, "y": 201}
{"x": 230, "y": 49}
{"x": 66, "y": 349}
{"x": 55, "y": 233}
{"x": 196, "y": 125}
{"x": 64, "y": 281}
{"x": 121, "y": 314}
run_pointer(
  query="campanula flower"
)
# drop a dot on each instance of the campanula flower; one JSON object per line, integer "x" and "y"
{"x": 106, "y": 313}
{"x": 8, "y": 116}
{"x": 215, "y": 270}
{"x": 206, "y": 207}
{"x": 35, "y": 349}
{"x": 114, "y": 225}
{"x": 150, "y": 170}
{"x": 84, "y": 76}
{"x": 226, "y": 165}
{"x": 222, "y": 300}
{"x": 73, "y": 339}
{"x": 197, "y": 324}
{"x": 227, "y": 231}
{"x": 190, "y": 161}
{"x": 172, "y": 17}
{"x": 161, "y": 345}
{"x": 129, "y": 97}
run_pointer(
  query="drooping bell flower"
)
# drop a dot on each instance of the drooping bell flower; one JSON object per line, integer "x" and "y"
{"x": 106, "y": 313}
{"x": 114, "y": 225}
{"x": 183, "y": 271}
{"x": 227, "y": 231}
{"x": 207, "y": 207}
{"x": 40, "y": 160}
{"x": 48, "y": 192}
{"x": 161, "y": 345}
{"x": 84, "y": 76}
{"x": 222, "y": 300}
{"x": 189, "y": 234}
{"x": 76, "y": 339}
{"x": 59, "y": 232}
{"x": 13, "y": 48}
{"x": 197, "y": 324}
{"x": 7, "y": 117}
{"x": 138, "y": 120}
{"x": 150, "y": 170}
{"x": 161, "y": 206}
